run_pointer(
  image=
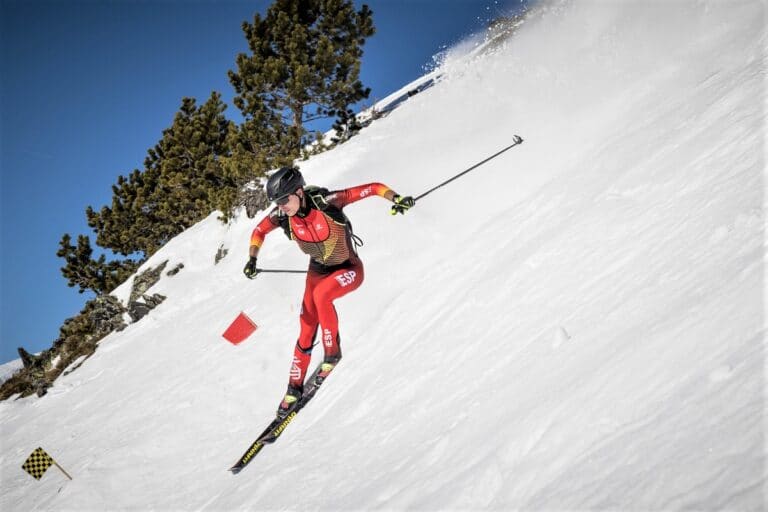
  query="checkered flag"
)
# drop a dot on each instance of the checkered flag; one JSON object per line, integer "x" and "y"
{"x": 39, "y": 462}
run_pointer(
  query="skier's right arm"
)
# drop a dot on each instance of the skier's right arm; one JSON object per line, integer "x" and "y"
{"x": 266, "y": 225}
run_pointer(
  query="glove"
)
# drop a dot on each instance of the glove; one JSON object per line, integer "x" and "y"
{"x": 250, "y": 269}
{"x": 402, "y": 204}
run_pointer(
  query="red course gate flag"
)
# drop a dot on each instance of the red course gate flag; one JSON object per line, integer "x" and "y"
{"x": 240, "y": 329}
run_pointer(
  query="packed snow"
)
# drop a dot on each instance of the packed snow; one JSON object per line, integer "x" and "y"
{"x": 577, "y": 324}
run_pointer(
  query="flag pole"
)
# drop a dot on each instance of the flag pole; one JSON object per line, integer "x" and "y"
{"x": 61, "y": 469}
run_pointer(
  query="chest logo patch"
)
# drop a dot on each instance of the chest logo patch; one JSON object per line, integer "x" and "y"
{"x": 313, "y": 228}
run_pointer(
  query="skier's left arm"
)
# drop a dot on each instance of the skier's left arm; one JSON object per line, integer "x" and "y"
{"x": 342, "y": 198}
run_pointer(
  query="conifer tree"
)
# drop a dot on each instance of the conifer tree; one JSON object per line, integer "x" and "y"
{"x": 304, "y": 65}
{"x": 181, "y": 183}
{"x": 83, "y": 271}
{"x": 189, "y": 162}
{"x": 248, "y": 158}
{"x": 129, "y": 225}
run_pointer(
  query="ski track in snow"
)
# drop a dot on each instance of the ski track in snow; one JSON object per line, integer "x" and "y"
{"x": 578, "y": 324}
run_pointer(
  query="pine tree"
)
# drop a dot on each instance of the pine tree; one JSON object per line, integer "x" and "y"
{"x": 346, "y": 126}
{"x": 304, "y": 65}
{"x": 249, "y": 158}
{"x": 189, "y": 162}
{"x": 182, "y": 182}
{"x": 129, "y": 225}
{"x": 82, "y": 270}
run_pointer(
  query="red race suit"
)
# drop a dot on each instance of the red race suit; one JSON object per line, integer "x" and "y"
{"x": 322, "y": 231}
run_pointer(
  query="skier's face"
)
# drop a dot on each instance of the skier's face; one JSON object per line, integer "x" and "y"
{"x": 292, "y": 205}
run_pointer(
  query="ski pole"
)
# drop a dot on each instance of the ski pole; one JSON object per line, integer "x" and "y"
{"x": 517, "y": 141}
{"x": 279, "y": 271}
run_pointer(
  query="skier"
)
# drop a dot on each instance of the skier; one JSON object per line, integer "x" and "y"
{"x": 313, "y": 217}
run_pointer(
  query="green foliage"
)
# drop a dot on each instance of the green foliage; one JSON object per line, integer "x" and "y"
{"x": 126, "y": 226}
{"x": 182, "y": 182}
{"x": 82, "y": 270}
{"x": 304, "y": 65}
{"x": 249, "y": 158}
{"x": 346, "y": 126}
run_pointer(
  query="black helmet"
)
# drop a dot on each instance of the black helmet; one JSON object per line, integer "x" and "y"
{"x": 283, "y": 182}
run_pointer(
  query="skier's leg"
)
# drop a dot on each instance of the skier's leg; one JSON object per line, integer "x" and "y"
{"x": 308, "y": 319}
{"x": 329, "y": 289}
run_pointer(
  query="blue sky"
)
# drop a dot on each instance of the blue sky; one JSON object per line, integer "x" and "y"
{"x": 86, "y": 87}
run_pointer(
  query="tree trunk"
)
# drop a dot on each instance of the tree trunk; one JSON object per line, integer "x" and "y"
{"x": 298, "y": 123}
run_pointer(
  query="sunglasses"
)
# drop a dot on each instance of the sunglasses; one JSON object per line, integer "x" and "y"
{"x": 280, "y": 201}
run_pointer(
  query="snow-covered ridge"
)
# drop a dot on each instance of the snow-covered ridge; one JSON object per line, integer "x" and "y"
{"x": 576, "y": 325}
{"x": 8, "y": 369}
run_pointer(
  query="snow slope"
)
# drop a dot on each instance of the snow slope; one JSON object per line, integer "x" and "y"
{"x": 8, "y": 369}
{"x": 578, "y": 324}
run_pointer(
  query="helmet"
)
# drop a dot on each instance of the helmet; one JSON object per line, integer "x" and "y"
{"x": 283, "y": 182}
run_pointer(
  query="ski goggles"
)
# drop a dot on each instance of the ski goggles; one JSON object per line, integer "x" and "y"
{"x": 283, "y": 200}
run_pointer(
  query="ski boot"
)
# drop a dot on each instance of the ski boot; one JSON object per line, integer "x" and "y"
{"x": 327, "y": 366}
{"x": 292, "y": 397}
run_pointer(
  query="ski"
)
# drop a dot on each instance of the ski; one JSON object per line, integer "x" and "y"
{"x": 278, "y": 425}
{"x": 252, "y": 450}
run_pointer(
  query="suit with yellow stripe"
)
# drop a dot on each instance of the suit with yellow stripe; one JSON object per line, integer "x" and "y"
{"x": 321, "y": 230}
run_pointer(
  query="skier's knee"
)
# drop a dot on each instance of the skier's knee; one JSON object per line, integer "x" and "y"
{"x": 303, "y": 350}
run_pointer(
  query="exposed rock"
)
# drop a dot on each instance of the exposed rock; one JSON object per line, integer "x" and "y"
{"x": 106, "y": 315}
{"x": 175, "y": 270}
{"x": 254, "y": 199}
{"x": 79, "y": 336}
{"x": 138, "y": 310}
{"x": 221, "y": 254}
{"x": 146, "y": 280}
